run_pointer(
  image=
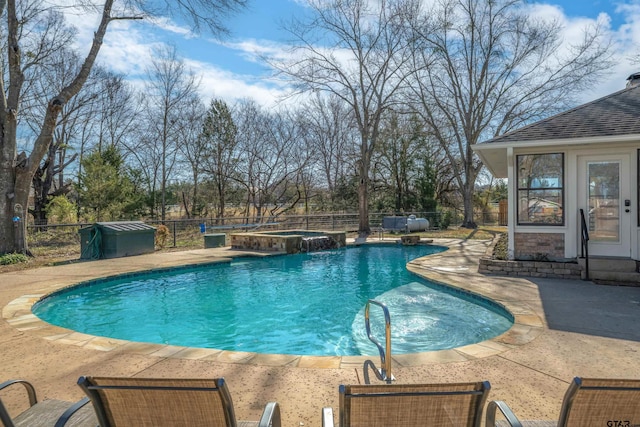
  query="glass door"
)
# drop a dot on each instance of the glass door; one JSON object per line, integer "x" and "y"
{"x": 607, "y": 188}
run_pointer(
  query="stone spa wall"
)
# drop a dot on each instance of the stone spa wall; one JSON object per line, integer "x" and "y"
{"x": 291, "y": 241}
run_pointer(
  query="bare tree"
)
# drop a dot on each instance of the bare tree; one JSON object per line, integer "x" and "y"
{"x": 358, "y": 51}
{"x": 270, "y": 159}
{"x": 328, "y": 124}
{"x": 400, "y": 158}
{"x": 117, "y": 112}
{"x": 170, "y": 88}
{"x": 220, "y": 138}
{"x": 48, "y": 180}
{"x": 194, "y": 150}
{"x": 144, "y": 154}
{"x": 486, "y": 67}
{"x": 29, "y": 43}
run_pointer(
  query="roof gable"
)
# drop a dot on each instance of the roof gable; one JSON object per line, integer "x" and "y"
{"x": 612, "y": 115}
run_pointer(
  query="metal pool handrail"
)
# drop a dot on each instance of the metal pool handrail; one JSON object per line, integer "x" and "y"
{"x": 384, "y": 373}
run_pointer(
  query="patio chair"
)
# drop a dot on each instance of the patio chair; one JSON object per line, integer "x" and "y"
{"x": 588, "y": 402}
{"x": 47, "y": 412}
{"x": 160, "y": 402}
{"x": 407, "y": 405}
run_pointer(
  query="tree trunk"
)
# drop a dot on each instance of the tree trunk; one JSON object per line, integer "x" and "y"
{"x": 468, "y": 221}
{"x": 7, "y": 203}
{"x": 16, "y": 172}
{"x": 363, "y": 199}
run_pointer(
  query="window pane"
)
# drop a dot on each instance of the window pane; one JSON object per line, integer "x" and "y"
{"x": 540, "y": 171}
{"x": 540, "y": 206}
{"x": 604, "y": 201}
{"x": 540, "y": 189}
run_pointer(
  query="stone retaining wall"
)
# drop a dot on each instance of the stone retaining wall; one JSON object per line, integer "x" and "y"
{"x": 558, "y": 270}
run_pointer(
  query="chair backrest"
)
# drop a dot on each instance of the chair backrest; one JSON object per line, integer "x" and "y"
{"x": 158, "y": 401}
{"x": 408, "y": 405}
{"x": 593, "y": 402}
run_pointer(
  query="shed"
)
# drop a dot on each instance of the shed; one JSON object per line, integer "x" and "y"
{"x": 116, "y": 239}
{"x": 394, "y": 223}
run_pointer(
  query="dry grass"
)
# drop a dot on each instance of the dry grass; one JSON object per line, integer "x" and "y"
{"x": 56, "y": 248}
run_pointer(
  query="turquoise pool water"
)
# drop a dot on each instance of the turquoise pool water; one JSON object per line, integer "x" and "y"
{"x": 307, "y": 304}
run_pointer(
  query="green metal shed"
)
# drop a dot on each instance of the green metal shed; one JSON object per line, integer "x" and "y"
{"x": 116, "y": 239}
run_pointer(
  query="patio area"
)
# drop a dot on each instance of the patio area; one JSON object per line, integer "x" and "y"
{"x": 564, "y": 328}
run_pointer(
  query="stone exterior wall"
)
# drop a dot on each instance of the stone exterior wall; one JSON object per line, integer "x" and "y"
{"x": 558, "y": 270}
{"x": 539, "y": 246}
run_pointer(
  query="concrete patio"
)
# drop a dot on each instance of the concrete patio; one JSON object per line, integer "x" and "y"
{"x": 564, "y": 328}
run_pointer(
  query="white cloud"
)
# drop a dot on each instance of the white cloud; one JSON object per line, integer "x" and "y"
{"x": 165, "y": 24}
{"x": 129, "y": 45}
{"x": 622, "y": 40}
{"x": 219, "y": 83}
{"x": 255, "y": 50}
{"x": 128, "y": 48}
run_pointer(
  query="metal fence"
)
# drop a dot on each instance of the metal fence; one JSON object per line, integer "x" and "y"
{"x": 187, "y": 232}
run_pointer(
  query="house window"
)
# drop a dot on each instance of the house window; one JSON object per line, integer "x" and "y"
{"x": 540, "y": 189}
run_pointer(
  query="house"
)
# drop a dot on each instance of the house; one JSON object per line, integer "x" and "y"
{"x": 583, "y": 160}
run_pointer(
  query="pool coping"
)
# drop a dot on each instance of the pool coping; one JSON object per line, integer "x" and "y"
{"x": 526, "y": 327}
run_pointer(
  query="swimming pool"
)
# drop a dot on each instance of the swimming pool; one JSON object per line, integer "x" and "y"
{"x": 306, "y": 304}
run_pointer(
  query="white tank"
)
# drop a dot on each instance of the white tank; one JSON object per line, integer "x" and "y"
{"x": 417, "y": 224}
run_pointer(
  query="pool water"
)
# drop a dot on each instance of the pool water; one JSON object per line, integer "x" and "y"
{"x": 306, "y": 304}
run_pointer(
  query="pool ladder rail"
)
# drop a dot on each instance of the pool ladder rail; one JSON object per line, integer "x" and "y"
{"x": 384, "y": 373}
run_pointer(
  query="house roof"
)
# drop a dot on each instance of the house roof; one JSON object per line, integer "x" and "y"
{"x": 615, "y": 114}
{"x": 615, "y": 117}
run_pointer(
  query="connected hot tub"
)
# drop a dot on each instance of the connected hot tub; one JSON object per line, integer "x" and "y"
{"x": 290, "y": 241}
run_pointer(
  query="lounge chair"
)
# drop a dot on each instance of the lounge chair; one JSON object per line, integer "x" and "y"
{"x": 588, "y": 402}
{"x": 407, "y": 405}
{"x": 47, "y": 412}
{"x": 161, "y": 402}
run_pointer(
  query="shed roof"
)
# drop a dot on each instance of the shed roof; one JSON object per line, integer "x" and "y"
{"x": 125, "y": 226}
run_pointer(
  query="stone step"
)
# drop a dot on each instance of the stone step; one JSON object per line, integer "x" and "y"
{"x": 610, "y": 264}
{"x": 613, "y": 277}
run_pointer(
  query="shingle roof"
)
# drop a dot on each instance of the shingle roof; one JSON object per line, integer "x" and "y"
{"x": 615, "y": 114}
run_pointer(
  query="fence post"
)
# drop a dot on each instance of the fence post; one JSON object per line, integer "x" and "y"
{"x": 174, "y": 234}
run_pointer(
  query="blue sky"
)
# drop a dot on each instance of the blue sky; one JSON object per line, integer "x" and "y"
{"x": 230, "y": 70}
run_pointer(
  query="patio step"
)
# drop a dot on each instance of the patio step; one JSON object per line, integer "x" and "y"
{"x": 612, "y": 271}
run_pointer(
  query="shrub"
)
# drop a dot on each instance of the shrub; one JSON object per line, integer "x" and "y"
{"x": 162, "y": 232}
{"x": 500, "y": 249}
{"x": 13, "y": 258}
{"x": 61, "y": 210}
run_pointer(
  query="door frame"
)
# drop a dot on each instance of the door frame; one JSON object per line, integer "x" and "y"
{"x": 622, "y": 247}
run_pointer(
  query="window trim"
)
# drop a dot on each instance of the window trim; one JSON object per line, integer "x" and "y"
{"x": 519, "y": 222}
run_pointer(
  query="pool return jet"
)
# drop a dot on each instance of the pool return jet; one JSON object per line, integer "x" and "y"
{"x": 384, "y": 373}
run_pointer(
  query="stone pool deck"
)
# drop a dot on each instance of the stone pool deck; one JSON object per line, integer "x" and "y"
{"x": 564, "y": 328}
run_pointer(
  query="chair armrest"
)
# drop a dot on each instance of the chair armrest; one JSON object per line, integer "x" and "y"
{"x": 327, "y": 417}
{"x": 31, "y": 391}
{"x": 270, "y": 416}
{"x": 5, "y": 418}
{"x": 505, "y": 410}
{"x": 71, "y": 411}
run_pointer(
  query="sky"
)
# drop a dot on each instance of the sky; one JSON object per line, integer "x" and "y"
{"x": 230, "y": 68}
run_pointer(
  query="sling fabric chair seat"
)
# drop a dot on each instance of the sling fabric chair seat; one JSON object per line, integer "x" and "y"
{"x": 158, "y": 402}
{"x": 588, "y": 402}
{"x": 410, "y": 405}
{"x": 47, "y": 412}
